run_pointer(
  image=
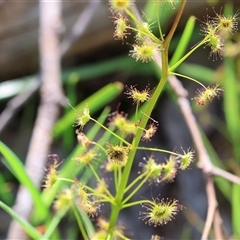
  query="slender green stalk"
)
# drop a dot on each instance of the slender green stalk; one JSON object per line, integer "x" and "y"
{"x": 159, "y": 26}
{"x": 80, "y": 224}
{"x": 134, "y": 182}
{"x": 99, "y": 180}
{"x": 108, "y": 130}
{"x": 157, "y": 150}
{"x": 136, "y": 189}
{"x": 116, "y": 180}
{"x": 189, "y": 78}
{"x": 171, "y": 69}
{"x": 136, "y": 113}
{"x": 139, "y": 25}
{"x": 120, "y": 193}
{"x": 134, "y": 203}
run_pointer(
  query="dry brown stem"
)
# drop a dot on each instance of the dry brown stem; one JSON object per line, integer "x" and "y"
{"x": 51, "y": 96}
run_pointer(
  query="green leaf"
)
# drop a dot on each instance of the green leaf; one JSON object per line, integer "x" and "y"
{"x": 232, "y": 105}
{"x": 236, "y": 210}
{"x": 5, "y": 191}
{"x": 184, "y": 41}
{"x": 17, "y": 168}
{"x": 29, "y": 229}
{"x": 54, "y": 223}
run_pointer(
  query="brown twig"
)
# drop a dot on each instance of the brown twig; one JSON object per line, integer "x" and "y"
{"x": 15, "y": 104}
{"x": 80, "y": 26}
{"x": 218, "y": 229}
{"x": 212, "y": 208}
{"x": 51, "y": 96}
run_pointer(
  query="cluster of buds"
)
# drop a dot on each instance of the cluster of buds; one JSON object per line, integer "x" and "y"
{"x": 117, "y": 154}
{"x": 147, "y": 45}
{"x": 79, "y": 196}
{"x": 121, "y": 123}
{"x": 207, "y": 95}
{"x": 166, "y": 172}
{"x": 216, "y": 30}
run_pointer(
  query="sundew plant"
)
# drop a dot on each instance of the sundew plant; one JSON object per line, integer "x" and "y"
{"x": 126, "y": 134}
{"x": 123, "y": 136}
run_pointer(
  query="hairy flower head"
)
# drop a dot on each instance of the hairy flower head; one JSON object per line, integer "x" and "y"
{"x": 126, "y": 127}
{"x": 143, "y": 32}
{"x": 83, "y": 118}
{"x": 149, "y": 132}
{"x": 207, "y": 94}
{"x": 83, "y": 140}
{"x": 117, "y": 154}
{"x": 120, "y": 27}
{"x": 84, "y": 200}
{"x": 87, "y": 157}
{"x": 226, "y": 26}
{"x": 160, "y": 212}
{"x": 169, "y": 169}
{"x": 120, "y": 5}
{"x": 186, "y": 158}
{"x": 156, "y": 237}
{"x": 145, "y": 52}
{"x": 52, "y": 173}
{"x": 64, "y": 199}
{"x": 152, "y": 169}
{"x": 137, "y": 95}
{"x": 213, "y": 39}
{"x": 102, "y": 231}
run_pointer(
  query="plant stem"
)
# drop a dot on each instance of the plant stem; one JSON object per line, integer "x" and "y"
{"x": 111, "y": 132}
{"x": 136, "y": 189}
{"x": 120, "y": 193}
{"x": 80, "y": 224}
{"x": 171, "y": 69}
{"x": 189, "y": 78}
{"x": 134, "y": 203}
{"x": 157, "y": 150}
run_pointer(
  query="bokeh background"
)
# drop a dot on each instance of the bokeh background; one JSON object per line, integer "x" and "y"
{"x": 92, "y": 59}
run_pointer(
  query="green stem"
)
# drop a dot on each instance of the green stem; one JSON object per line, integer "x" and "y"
{"x": 99, "y": 180}
{"x": 120, "y": 193}
{"x": 157, "y": 150}
{"x": 65, "y": 179}
{"x": 115, "y": 179}
{"x": 134, "y": 182}
{"x": 139, "y": 25}
{"x": 136, "y": 189}
{"x": 108, "y": 130}
{"x": 134, "y": 203}
{"x": 80, "y": 224}
{"x": 172, "y": 68}
{"x": 136, "y": 113}
{"x": 159, "y": 26}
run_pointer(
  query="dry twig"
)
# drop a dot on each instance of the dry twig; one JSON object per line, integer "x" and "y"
{"x": 51, "y": 96}
{"x": 15, "y": 104}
